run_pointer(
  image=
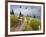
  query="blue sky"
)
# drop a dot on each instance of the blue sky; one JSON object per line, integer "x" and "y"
{"x": 26, "y": 10}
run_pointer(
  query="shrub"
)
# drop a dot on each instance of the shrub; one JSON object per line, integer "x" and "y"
{"x": 35, "y": 24}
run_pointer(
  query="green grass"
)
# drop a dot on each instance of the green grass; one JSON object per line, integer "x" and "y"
{"x": 13, "y": 20}
{"x": 35, "y": 24}
{"x": 29, "y": 24}
{"x": 32, "y": 24}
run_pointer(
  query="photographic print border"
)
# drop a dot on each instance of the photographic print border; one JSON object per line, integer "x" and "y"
{"x": 6, "y": 17}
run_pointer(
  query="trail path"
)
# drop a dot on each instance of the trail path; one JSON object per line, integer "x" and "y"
{"x": 21, "y": 26}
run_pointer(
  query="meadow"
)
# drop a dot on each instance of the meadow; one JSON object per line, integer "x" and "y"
{"x": 28, "y": 24}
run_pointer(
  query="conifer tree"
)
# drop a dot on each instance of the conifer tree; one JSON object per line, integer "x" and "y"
{"x": 12, "y": 12}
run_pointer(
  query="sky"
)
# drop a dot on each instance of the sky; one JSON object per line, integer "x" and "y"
{"x": 26, "y": 10}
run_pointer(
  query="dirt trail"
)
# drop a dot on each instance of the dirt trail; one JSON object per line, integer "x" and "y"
{"x": 20, "y": 27}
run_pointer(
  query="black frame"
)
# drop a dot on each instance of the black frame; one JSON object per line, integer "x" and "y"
{"x": 6, "y": 18}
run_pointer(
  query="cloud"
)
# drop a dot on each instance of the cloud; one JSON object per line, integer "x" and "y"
{"x": 27, "y": 10}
